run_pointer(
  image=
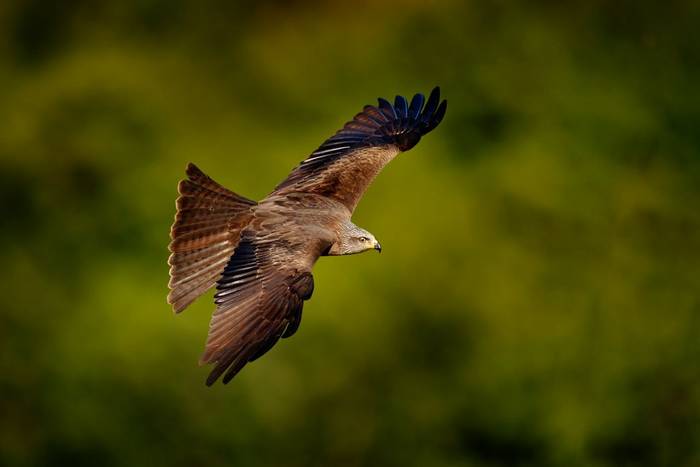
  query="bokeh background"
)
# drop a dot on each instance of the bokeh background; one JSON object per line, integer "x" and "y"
{"x": 538, "y": 299}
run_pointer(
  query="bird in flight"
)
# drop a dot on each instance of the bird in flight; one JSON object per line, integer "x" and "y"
{"x": 260, "y": 255}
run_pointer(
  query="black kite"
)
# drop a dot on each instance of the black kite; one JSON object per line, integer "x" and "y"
{"x": 260, "y": 255}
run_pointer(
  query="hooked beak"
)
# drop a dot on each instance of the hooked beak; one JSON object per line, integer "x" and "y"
{"x": 377, "y": 247}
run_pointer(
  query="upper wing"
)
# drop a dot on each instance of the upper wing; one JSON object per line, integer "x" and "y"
{"x": 345, "y": 164}
{"x": 260, "y": 297}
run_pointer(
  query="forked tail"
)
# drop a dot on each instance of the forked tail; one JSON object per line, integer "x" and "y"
{"x": 206, "y": 230}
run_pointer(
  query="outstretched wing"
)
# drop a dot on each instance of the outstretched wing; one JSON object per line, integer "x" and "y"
{"x": 345, "y": 164}
{"x": 259, "y": 299}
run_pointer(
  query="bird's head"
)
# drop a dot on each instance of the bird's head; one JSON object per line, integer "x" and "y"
{"x": 364, "y": 242}
{"x": 355, "y": 240}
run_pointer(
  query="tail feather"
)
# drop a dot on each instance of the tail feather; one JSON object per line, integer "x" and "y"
{"x": 187, "y": 258}
{"x": 194, "y": 271}
{"x": 187, "y": 270}
{"x": 206, "y": 230}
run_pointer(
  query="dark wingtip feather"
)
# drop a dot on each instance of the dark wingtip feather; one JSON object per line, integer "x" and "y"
{"x": 401, "y": 106}
{"x": 215, "y": 374}
{"x": 431, "y": 105}
{"x": 414, "y": 120}
{"x": 416, "y": 106}
{"x": 401, "y": 124}
{"x": 229, "y": 363}
{"x": 235, "y": 368}
{"x": 437, "y": 117}
{"x": 428, "y": 118}
{"x": 386, "y": 108}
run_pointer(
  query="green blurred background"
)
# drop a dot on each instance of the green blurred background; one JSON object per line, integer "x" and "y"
{"x": 538, "y": 299}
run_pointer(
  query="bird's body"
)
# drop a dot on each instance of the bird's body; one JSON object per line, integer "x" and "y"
{"x": 260, "y": 255}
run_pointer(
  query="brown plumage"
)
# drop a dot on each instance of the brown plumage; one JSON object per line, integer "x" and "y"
{"x": 260, "y": 255}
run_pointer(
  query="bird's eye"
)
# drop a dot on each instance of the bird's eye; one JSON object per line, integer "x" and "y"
{"x": 364, "y": 239}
